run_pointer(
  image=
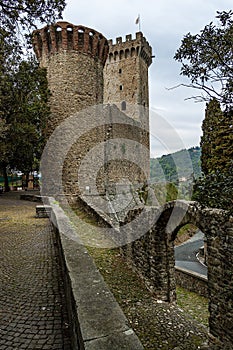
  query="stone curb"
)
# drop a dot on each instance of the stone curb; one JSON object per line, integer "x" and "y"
{"x": 97, "y": 320}
{"x": 192, "y": 273}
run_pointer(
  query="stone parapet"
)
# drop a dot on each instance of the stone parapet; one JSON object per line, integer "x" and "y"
{"x": 97, "y": 319}
{"x": 64, "y": 36}
{"x": 130, "y": 48}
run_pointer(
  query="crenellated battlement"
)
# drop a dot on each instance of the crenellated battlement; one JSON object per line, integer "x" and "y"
{"x": 130, "y": 48}
{"x": 64, "y": 36}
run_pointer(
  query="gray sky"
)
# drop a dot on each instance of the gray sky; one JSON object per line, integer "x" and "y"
{"x": 174, "y": 123}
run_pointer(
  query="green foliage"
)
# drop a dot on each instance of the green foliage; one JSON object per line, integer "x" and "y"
{"x": 171, "y": 167}
{"x": 207, "y": 60}
{"x": 25, "y": 112}
{"x": 215, "y": 190}
{"x": 23, "y": 87}
{"x": 217, "y": 139}
{"x": 3, "y": 135}
{"x": 18, "y": 18}
{"x": 18, "y": 15}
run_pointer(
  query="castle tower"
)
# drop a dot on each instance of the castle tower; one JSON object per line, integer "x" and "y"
{"x": 74, "y": 57}
{"x": 126, "y": 82}
{"x": 126, "y": 76}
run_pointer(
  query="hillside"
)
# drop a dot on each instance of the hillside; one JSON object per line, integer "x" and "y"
{"x": 184, "y": 164}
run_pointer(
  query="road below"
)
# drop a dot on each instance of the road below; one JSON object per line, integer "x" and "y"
{"x": 185, "y": 254}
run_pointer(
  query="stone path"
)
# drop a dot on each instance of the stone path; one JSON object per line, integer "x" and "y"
{"x": 33, "y": 313}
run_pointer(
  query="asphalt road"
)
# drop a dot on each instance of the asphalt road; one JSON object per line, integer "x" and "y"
{"x": 185, "y": 254}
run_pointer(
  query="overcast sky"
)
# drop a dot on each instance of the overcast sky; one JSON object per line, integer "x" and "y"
{"x": 174, "y": 122}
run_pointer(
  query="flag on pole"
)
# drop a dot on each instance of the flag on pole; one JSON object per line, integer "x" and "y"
{"x": 138, "y": 22}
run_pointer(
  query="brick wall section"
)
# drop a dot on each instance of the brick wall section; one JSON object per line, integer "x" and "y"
{"x": 153, "y": 257}
{"x": 75, "y": 82}
{"x": 109, "y": 157}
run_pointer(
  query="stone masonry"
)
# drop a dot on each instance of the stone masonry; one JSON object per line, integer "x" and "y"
{"x": 152, "y": 256}
{"x": 126, "y": 75}
{"x": 74, "y": 57}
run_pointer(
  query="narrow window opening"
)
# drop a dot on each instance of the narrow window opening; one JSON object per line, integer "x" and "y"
{"x": 121, "y": 87}
{"x": 120, "y": 71}
{"x": 123, "y": 105}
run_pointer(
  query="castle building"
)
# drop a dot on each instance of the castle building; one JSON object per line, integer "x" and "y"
{"x": 84, "y": 69}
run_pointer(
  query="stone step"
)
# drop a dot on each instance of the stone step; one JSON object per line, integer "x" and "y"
{"x": 43, "y": 211}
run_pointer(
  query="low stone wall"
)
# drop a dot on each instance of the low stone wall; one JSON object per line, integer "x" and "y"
{"x": 31, "y": 197}
{"x": 97, "y": 320}
{"x": 192, "y": 281}
{"x": 152, "y": 256}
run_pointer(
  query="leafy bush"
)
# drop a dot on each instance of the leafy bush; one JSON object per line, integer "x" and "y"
{"x": 215, "y": 190}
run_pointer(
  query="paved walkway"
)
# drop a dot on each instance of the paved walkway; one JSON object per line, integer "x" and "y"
{"x": 33, "y": 314}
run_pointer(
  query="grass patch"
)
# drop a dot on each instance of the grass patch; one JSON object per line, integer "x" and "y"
{"x": 194, "y": 304}
{"x": 137, "y": 302}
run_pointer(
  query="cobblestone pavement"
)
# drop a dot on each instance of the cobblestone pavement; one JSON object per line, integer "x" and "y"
{"x": 33, "y": 313}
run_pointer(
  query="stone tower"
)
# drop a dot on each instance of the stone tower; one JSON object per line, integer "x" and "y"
{"x": 126, "y": 82}
{"x": 74, "y": 57}
{"x": 126, "y": 76}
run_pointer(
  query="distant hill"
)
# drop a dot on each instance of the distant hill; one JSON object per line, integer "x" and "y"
{"x": 182, "y": 165}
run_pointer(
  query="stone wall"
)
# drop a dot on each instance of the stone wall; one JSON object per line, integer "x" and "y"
{"x": 126, "y": 80}
{"x": 94, "y": 149}
{"x": 152, "y": 256}
{"x": 192, "y": 281}
{"x": 98, "y": 321}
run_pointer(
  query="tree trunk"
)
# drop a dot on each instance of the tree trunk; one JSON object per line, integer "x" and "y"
{"x": 6, "y": 183}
